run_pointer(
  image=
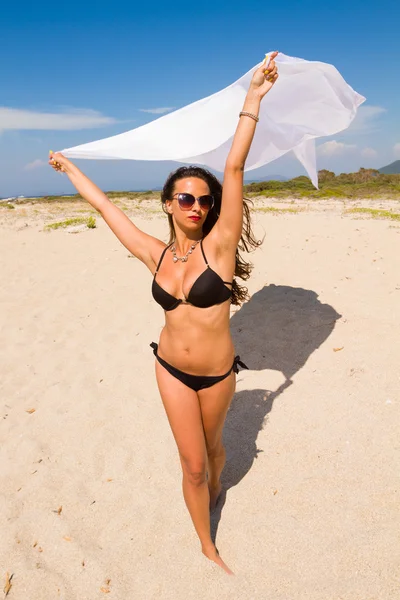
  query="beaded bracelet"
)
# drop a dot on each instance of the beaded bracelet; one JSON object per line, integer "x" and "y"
{"x": 248, "y": 114}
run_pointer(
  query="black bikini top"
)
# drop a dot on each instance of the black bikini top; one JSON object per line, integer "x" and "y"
{"x": 207, "y": 290}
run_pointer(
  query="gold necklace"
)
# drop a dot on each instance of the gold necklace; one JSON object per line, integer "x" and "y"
{"x": 183, "y": 258}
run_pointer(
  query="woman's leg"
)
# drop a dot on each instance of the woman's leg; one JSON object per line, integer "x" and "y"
{"x": 183, "y": 411}
{"x": 214, "y": 404}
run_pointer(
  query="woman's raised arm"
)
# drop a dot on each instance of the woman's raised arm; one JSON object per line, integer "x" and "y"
{"x": 229, "y": 225}
{"x": 145, "y": 247}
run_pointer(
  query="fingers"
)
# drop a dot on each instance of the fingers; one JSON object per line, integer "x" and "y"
{"x": 57, "y": 156}
{"x": 265, "y": 76}
{"x": 54, "y": 161}
{"x": 274, "y": 78}
{"x": 271, "y": 74}
{"x": 271, "y": 70}
{"x": 269, "y": 58}
{"x": 56, "y": 165}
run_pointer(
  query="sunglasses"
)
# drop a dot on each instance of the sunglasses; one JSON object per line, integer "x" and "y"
{"x": 186, "y": 201}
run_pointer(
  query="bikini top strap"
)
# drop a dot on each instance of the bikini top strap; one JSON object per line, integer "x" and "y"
{"x": 206, "y": 261}
{"x": 161, "y": 258}
{"x": 202, "y": 250}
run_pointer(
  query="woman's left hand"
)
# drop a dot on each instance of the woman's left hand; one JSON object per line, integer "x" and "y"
{"x": 265, "y": 77}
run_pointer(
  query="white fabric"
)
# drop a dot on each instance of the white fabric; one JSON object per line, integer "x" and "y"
{"x": 309, "y": 100}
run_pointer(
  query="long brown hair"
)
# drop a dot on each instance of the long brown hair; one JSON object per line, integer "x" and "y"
{"x": 247, "y": 241}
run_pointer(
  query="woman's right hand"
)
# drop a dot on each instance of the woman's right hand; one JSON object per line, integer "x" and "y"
{"x": 59, "y": 162}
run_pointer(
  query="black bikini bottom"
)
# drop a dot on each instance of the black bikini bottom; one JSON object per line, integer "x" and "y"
{"x": 197, "y": 382}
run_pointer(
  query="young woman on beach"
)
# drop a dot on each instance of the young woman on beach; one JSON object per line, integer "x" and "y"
{"x": 194, "y": 283}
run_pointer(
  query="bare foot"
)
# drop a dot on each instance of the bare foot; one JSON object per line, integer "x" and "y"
{"x": 215, "y": 493}
{"x": 213, "y": 554}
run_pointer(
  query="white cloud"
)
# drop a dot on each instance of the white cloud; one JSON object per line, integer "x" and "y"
{"x": 396, "y": 150}
{"x": 334, "y": 148}
{"x": 369, "y": 153}
{"x": 35, "y": 164}
{"x": 15, "y": 118}
{"x": 157, "y": 111}
{"x": 366, "y": 119}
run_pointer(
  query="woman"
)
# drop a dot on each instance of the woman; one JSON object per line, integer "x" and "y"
{"x": 193, "y": 282}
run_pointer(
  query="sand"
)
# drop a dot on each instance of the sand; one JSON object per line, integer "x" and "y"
{"x": 91, "y": 500}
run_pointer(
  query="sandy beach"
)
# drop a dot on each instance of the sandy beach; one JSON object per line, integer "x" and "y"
{"x": 91, "y": 499}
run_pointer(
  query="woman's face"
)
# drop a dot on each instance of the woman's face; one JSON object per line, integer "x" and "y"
{"x": 192, "y": 219}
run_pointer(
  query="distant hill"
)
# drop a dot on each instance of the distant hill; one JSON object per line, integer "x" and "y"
{"x": 266, "y": 178}
{"x": 392, "y": 169}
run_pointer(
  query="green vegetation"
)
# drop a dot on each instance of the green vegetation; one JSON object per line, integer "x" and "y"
{"x": 274, "y": 210}
{"x": 90, "y": 222}
{"x": 138, "y": 196}
{"x": 375, "y": 213}
{"x": 50, "y": 199}
{"x": 366, "y": 183}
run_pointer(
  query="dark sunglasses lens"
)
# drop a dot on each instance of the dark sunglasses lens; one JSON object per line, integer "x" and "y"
{"x": 186, "y": 201}
{"x": 206, "y": 202}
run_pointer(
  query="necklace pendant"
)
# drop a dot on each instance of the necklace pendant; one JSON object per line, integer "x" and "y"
{"x": 184, "y": 259}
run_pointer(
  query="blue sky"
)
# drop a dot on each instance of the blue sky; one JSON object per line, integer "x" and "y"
{"x": 98, "y": 67}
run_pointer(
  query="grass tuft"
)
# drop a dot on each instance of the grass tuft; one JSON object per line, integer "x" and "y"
{"x": 90, "y": 222}
{"x": 276, "y": 211}
{"x": 375, "y": 213}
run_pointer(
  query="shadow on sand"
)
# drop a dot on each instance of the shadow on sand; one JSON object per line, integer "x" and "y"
{"x": 278, "y": 329}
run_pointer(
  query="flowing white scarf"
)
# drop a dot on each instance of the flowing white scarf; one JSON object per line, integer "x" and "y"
{"x": 309, "y": 100}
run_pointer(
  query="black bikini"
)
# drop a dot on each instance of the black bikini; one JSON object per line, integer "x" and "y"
{"x": 208, "y": 290}
{"x": 197, "y": 382}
